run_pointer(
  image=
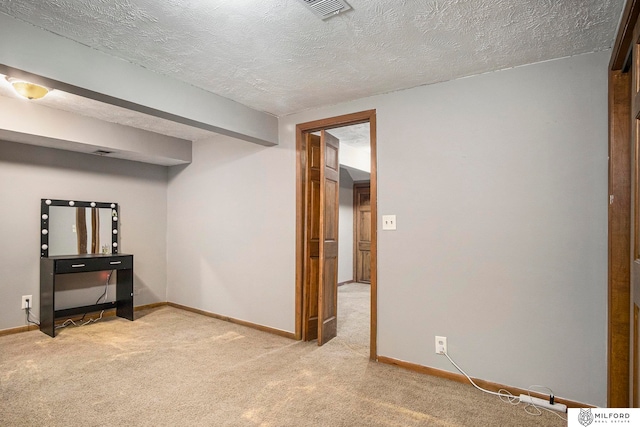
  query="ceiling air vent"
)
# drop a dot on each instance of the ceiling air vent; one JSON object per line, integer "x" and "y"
{"x": 326, "y": 8}
{"x": 102, "y": 152}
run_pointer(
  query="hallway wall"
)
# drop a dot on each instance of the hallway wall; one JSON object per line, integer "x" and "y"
{"x": 345, "y": 225}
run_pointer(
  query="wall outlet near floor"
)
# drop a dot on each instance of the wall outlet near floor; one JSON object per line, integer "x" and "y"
{"x": 441, "y": 345}
{"x": 26, "y": 298}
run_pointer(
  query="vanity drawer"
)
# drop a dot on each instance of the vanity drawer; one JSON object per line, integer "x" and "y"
{"x": 93, "y": 264}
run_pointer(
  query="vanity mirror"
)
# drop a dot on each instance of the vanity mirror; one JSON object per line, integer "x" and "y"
{"x": 69, "y": 227}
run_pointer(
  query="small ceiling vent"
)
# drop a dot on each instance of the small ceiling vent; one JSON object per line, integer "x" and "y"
{"x": 325, "y": 9}
{"x": 102, "y": 152}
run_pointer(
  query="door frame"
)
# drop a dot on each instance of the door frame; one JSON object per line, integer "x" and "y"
{"x": 313, "y": 126}
{"x": 621, "y": 370}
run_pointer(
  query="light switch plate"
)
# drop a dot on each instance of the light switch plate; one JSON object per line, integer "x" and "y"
{"x": 388, "y": 222}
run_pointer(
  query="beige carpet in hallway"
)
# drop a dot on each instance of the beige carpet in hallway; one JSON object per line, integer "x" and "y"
{"x": 174, "y": 368}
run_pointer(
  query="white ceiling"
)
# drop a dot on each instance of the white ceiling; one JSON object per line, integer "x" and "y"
{"x": 277, "y": 56}
{"x": 355, "y": 135}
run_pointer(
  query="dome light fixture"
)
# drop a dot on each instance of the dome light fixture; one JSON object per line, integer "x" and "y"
{"x": 27, "y": 89}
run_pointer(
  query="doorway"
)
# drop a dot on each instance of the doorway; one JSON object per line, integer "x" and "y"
{"x": 302, "y": 283}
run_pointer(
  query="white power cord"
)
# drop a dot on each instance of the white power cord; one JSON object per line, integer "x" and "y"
{"x": 81, "y": 323}
{"x": 506, "y": 396}
{"x": 29, "y": 315}
{"x": 71, "y": 322}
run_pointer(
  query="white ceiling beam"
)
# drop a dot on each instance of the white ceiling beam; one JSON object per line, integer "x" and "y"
{"x": 29, "y": 123}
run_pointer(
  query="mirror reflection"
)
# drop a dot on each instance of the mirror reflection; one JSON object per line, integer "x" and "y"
{"x": 79, "y": 231}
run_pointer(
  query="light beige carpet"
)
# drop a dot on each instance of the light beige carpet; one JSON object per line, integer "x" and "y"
{"x": 174, "y": 368}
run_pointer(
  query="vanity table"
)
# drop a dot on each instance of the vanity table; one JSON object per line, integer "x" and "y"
{"x": 56, "y": 257}
{"x": 52, "y": 267}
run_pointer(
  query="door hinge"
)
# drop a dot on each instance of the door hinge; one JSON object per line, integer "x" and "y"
{"x": 610, "y": 199}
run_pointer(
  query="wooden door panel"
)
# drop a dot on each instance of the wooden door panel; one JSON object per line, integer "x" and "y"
{"x": 364, "y": 264}
{"x": 329, "y": 184}
{"x": 331, "y": 220}
{"x": 331, "y": 156}
{"x": 364, "y": 230}
{"x": 312, "y": 297}
{"x": 314, "y": 206}
{"x": 311, "y": 268}
{"x": 314, "y": 153}
{"x": 329, "y": 298}
{"x": 364, "y": 201}
{"x": 364, "y": 246}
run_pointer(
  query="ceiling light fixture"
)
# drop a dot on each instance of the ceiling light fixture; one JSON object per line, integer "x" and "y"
{"x": 27, "y": 89}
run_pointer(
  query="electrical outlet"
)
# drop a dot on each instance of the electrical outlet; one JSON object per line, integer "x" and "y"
{"x": 26, "y": 298}
{"x": 441, "y": 345}
{"x": 388, "y": 222}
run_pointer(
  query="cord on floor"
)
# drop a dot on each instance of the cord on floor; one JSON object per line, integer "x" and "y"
{"x": 81, "y": 322}
{"x": 507, "y": 397}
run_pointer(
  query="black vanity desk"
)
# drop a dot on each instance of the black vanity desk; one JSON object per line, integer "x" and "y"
{"x": 50, "y": 267}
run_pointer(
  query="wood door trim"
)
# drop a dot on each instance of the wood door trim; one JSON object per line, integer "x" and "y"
{"x": 624, "y": 38}
{"x": 328, "y": 123}
{"x": 619, "y": 326}
{"x": 619, "y": 240}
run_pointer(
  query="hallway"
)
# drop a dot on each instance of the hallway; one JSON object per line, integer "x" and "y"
{"x": 354, "y": 312}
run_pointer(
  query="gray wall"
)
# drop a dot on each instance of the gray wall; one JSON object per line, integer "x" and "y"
{"x": 345, "y": 225}
{"x": 29, "y": 173}
{"x": 499, "y": 182}
{"x": 231, "y": 235}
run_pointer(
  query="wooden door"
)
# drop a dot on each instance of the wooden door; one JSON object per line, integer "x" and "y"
{"x": 362, "y": 232}
{"x": 329, "y": 209}
{"x": 321, "y": 230}
{"x": 312, "y": 237}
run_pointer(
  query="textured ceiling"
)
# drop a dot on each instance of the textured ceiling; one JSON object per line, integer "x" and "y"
{"x": 277, "y": 56}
